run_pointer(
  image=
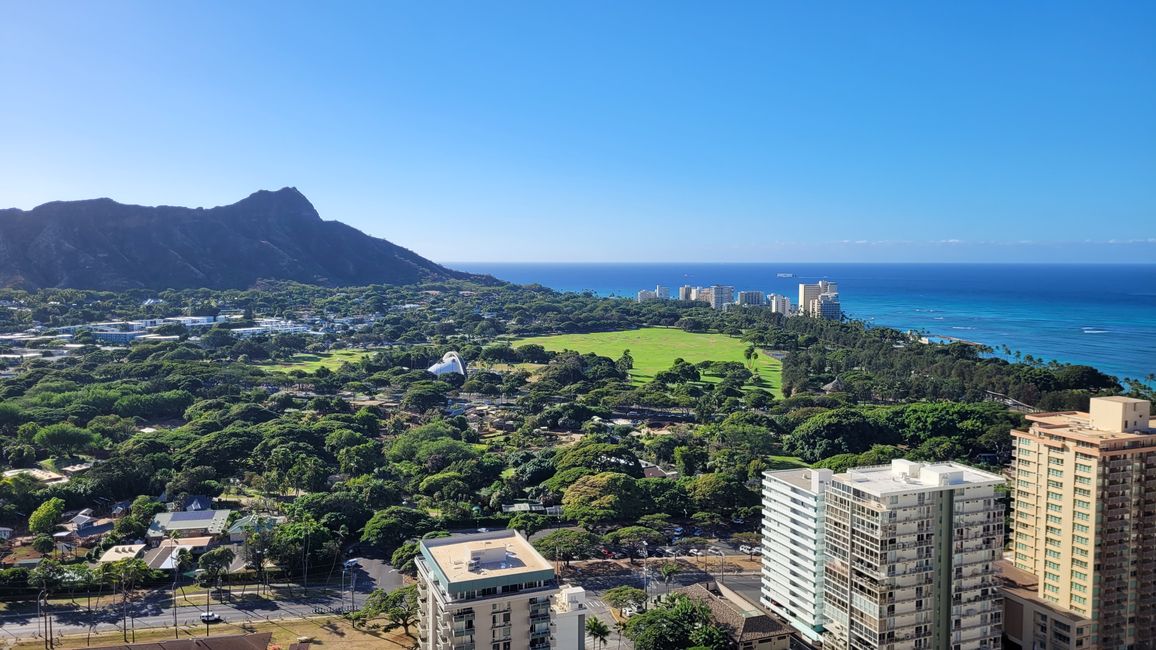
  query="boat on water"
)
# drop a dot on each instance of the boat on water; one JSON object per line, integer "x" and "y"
{"x": 786, "y": 275}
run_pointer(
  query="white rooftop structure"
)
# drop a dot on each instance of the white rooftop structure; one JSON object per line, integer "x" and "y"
{"x": 450, "y": 363}
{"x": 905, "y": 476}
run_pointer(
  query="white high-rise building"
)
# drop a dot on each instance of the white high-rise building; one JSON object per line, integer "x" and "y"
{"x": 752, "y": 298}
{"x": 911, "y": 551}
{"x": 686, "y": 292}
{"x": 793, "y": 547}
{"x": 721, "y": 295}
{"x": 894, "y": 557}
{"x": 662, "y": 293}
{"x": 646, "y": 295}
{"x": 779, "y": 304}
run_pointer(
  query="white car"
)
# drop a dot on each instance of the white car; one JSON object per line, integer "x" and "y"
{"x": 209, "y": 617}
{"x": 694, "y": 551}
{"x": 749, "y": 550}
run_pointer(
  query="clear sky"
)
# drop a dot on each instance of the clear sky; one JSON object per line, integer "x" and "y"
{"x": 608, "y": 131}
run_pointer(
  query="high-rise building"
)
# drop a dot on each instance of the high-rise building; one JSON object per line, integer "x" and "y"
{"x": 820, "y": 300}
{"x": 686, "y": 292}
{"x": 1084, "y": 529}
{"x": 793, "y": 547}
{"x": 779, "y": 304}
{"x": 704, "y": 294}
{"x": 662, "y": 293}
{"x": 491, "y": 591}
{"x": 894, "y": 557}
{"x": 646, "y": 295}
{"x": 721, "y": 295}
{"x": 752, "y": 298}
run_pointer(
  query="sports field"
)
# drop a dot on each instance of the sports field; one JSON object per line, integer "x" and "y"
{"x": 656, "y": 348}
{"x": 311, "y": 361}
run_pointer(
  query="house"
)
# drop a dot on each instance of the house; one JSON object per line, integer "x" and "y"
{"x": 190, "y": 503}
{"x": 121, "y": 552}
{"x": 749, "y": 627}
{"x": 243, "y": 526}
{"x": 188, "y": 524}
{"x": 163, "y": 557}
{"x": 6, "y": 533}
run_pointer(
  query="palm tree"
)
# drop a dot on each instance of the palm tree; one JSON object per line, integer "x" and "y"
{"x": 596, "y": 628}
{"x": 128, "y": 574}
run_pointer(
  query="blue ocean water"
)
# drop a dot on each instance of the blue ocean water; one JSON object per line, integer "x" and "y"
{"x": 1097, "y": 314}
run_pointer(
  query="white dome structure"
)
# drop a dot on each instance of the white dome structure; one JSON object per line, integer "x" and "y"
{"x": 450, "y": 363}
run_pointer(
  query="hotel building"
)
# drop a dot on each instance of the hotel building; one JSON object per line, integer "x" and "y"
{"x": 1084, "y": 529}
{"x": 493, "y": 591}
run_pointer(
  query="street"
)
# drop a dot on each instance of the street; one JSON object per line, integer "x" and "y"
{"x": 154, "y": 609}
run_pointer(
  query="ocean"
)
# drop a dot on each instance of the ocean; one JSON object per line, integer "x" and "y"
{"x": 1103, "y": 315}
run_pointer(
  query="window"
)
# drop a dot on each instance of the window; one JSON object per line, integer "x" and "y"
{"x": 1079, "y": 551}
{"x": 1080, "y": 539}
{"x": 1051, "y": 576}
{"x": 1054, "y": 531}
{"x": 1083, "y": 516}
{"x": 1080, "y": 528}
{"x": 1055, "y": 461}
{"x": 1052, "y": 565}
{"x": 1081, "y": 492}
{"x": 1083, "y": 480}
{"x": 1055, "y": 484}
{"x": 1051, "y": 553}
{"x": 1050, "y": 587}
{"x": 1079, "y": 563}
{"x": 1079, "y": 587}
{"x": 1055, "y": 507}
{"x": 1055, "y": 472}
{"x": 1079, "y": 575}
{"x": 1053, "y": 519}
{"x": 1081, "y": 467}
{"x": 1083, "y": 504}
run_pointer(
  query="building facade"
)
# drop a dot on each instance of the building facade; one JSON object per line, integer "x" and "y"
{"x": 752, "y": 298}
{"x": 686, "y": 292}
{"x": 1084, "y": 528}
{"x": 487, "y": 591}
{"x": 779, "y": 304}
{"x": 910, "y": 553}
{"x": 820, "y": 300}
{"x": 793, "y": 547}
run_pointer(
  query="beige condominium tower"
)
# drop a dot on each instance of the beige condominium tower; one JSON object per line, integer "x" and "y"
{"x": 493, "y": 591}
{"x": 1083, "y": 547}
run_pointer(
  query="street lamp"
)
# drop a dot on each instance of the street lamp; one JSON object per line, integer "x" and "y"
{"x": 645, "y": 573}
{"x": 722, "y": 558}
{"x": 351, "y": 566}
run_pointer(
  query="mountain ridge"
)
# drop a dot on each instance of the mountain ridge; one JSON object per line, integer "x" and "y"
{"x": 268, "y": 235}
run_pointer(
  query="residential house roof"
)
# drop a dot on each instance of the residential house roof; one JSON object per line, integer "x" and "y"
{"x": 121, "y": 552}
{"x": 743, "y": 621}
{"x": 211, "y": 521}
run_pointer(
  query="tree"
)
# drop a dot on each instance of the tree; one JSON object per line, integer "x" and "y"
{"x": 625, "y": 596}
{"x": 668, "y": 570}
{"x": 528, "y": 523}
{"x": 566, "y": 544}
{"x": 64, "y": 438}
{"x": 390, "y": 528}
{"x": 399, "y": 607}
{"x": 43, "y": 520}
{"x": 633, "y": 538}
{"x": 601, "y": 498}
{"x": 670, "y": 624}
{"x": 127, "y": 574}
{"x": 838, "y": 431}
{"x": 403, "y": 558}
{"x": 689, "y": 460}
{"x": 596, "y": 628}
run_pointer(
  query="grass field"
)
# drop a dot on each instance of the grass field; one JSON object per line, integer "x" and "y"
{"x": 656, "y": 348}
{"x": 311, "y": 361}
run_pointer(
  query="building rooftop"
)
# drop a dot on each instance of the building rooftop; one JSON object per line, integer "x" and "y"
{"x": 905, "y": 476}
{"x": 1110, "y": 419}
{"x": 802, "y": 478}
{"x": 466, "y": 561}
{"x": 744, "y": 621}
{"x": 213, "y": 521}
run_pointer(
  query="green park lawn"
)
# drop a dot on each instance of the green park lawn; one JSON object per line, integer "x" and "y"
{"x": 311, "y": 361}
{"x": 655, "y": 349}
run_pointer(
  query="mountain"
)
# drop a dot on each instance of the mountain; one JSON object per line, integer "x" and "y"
{"x": 102, "y": 244}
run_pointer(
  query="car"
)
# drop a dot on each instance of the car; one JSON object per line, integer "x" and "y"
{"x": 210, "y": 617}
{"x": 694, "y": 551}
{"x": 483, "y": 530}
{"x": 749, "y": 550}
{"x": 349, "y": 564}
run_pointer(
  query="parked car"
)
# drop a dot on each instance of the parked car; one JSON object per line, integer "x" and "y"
{"x": 210, "y": 617}
{"x": 749, "y": 550}
{"x": 694, "y": 551}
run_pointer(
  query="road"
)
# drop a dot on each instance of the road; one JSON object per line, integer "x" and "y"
{"x": 154, "y": 609}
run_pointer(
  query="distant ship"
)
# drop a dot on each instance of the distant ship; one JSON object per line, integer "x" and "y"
{"x": 786, "y": 275}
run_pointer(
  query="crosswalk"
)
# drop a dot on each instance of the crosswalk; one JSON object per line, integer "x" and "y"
{"x": 594, "y": 603}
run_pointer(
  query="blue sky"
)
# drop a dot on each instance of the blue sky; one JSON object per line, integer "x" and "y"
{"x": 601, "y": 131}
